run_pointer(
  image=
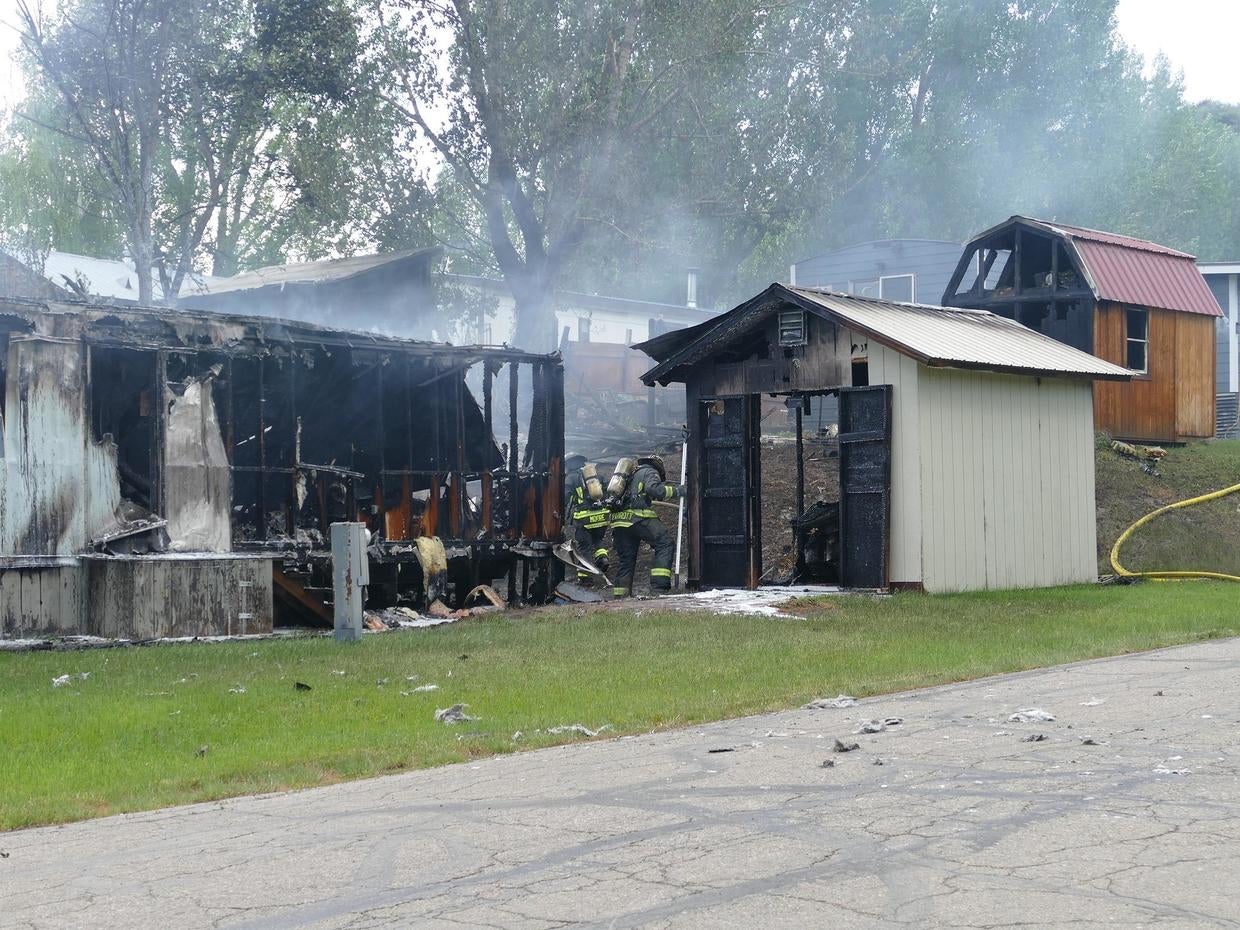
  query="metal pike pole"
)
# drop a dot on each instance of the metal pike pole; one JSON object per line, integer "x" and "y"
{"x": 680, "y": 514}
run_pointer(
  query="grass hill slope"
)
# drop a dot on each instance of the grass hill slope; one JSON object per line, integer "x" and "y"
{"x": 1204, "y": 537}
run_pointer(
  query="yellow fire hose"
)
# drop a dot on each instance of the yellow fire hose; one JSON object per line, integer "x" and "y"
{"x": 1169, "y": 576}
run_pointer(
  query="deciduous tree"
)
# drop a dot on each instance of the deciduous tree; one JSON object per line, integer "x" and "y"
{"x": 192, "y": 114}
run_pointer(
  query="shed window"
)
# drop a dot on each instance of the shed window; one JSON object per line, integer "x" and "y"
{"x": 583, "y": 329}
{"x": 896, "y": 287}
{"x": 1139, "y": 340}
{"x": 792, "y": 327}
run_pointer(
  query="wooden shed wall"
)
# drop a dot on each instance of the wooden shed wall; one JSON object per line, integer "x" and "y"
{"x": 1007, "y": 481}
{"x": 1196, "y": 361}
{"x": 1175, "y": 401}
{"x": 820, "y": 363}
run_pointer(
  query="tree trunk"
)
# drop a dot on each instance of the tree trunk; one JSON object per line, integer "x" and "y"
{"x": 144, "y": 263}
{"x": 535, "y": 324}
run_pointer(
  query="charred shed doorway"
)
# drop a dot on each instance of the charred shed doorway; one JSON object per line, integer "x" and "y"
{"x": 832, "y": 499}
{"x": 731, "y": 528}
{"x": 824, "y": 518}
{"x": 800, "y": 489}
{"x": 865, "y": 486}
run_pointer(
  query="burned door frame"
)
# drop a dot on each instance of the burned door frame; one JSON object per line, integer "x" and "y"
{"x": 865, "y": 486}
{"x": 116, "y": 346}
{"x": 749, "y": 444}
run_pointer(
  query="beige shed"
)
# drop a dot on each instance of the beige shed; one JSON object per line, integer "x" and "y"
{"x": 965, "y": 442}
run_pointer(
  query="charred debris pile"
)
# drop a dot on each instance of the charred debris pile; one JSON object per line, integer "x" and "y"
{"x": 143, "y": 435}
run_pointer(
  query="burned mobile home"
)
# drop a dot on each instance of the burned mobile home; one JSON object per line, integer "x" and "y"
{"x": 175, "y": 473}
{"x": 965, "y": 446}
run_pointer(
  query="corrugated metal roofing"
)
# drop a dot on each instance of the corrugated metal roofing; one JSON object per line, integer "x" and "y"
{"x": 1147, "y": 279}
{"x": 1108, "y": 238}
{"x": 952, "y": 337}
{"x": 1135, "y": 271}
{"x": 333, "y": 269}
{"x": 936, "y": 336}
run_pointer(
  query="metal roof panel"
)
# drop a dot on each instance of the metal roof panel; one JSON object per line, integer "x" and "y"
{"x": 1167, "y": 280}
{"x": 955, "y": 337}
{"x": 935, "y": 336}
{"x": 318, "y": 272}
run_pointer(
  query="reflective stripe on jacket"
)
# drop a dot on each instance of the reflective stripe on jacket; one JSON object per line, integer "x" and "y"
{"x": 581, "y": 509}
{"x": 645, "y": 486}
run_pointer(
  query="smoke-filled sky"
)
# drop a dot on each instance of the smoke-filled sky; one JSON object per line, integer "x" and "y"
{"x": 1201, "y": 37}
{"x": 10, "y": 75}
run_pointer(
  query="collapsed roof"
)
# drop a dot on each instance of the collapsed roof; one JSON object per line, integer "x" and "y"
{"x": 1121, "y": 268}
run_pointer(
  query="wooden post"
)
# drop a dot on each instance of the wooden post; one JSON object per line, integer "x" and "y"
{"x": 514, "y": 483}
{"x": 796, "y": 532}
{"x": 262, "y": 448}
{"x": 1016, "y": 258}
{"x": 680, "y": 515}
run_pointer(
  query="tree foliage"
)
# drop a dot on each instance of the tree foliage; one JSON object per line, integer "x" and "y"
{"x": 543, "y": 109}
{"x": 192, "y": 115}
{"x": 600, "y": 145}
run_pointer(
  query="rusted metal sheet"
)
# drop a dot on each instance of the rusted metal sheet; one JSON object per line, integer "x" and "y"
{"x": 1146, "y": 277}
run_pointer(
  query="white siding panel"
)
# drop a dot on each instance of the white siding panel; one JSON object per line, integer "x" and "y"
{"x": 1007, "y": 480}
{"x": 933, "y": 560}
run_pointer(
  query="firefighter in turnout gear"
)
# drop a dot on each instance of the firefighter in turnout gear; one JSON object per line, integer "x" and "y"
{"x": 587, "y": 514}
{"x": 636, "y": 522}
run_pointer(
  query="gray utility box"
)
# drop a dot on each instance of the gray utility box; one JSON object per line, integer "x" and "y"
{"x": 350, "y": 576}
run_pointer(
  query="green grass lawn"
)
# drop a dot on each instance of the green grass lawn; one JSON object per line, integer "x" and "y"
{"x": 129, "y": 736}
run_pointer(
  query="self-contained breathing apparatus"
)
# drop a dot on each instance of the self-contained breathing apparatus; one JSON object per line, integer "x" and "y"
{"x": 618, "y": 485}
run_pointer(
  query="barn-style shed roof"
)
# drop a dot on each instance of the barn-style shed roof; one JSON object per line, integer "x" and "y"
{"x": 936, "y": 336}
{"x": 1124, "y": 269}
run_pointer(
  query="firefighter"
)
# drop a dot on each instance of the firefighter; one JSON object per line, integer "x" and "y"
{"x": 636, "y": 522}
{"x": 586, "y": 526}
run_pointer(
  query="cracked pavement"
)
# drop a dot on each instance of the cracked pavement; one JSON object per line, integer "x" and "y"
{"x": 965, "y": 824}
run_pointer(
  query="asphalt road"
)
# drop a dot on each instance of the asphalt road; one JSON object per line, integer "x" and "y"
{"x": 965, "y": 824}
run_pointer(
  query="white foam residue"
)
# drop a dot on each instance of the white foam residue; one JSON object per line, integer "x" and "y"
{"x": 763, "y": 602}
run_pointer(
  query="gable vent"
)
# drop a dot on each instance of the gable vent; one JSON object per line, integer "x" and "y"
{"x": 792, "y": 327}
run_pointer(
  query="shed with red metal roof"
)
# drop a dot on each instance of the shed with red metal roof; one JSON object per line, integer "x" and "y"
{"x": 1129, "y": 301}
